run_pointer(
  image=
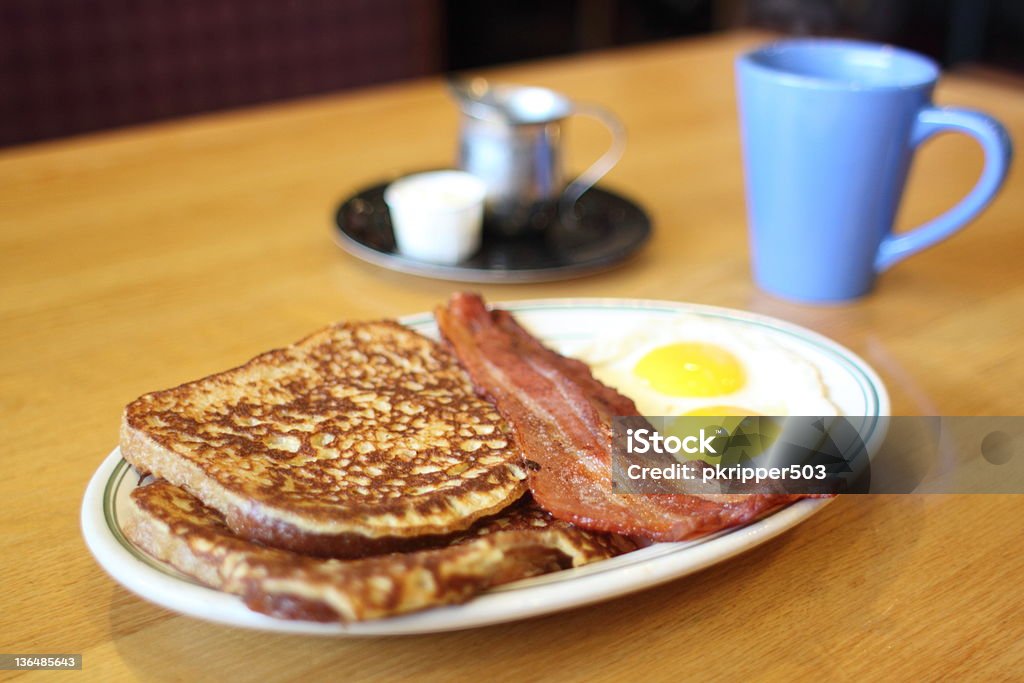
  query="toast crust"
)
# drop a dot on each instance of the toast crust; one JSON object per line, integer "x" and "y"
{"x": 359, "y": 439}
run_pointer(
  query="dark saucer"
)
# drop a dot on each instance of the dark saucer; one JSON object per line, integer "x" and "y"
{"x": 610, "y": 229}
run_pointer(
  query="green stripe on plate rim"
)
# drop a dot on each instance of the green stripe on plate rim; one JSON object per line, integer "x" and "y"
{"x": 110, "y": 492}
{"x": 869, "y": 394}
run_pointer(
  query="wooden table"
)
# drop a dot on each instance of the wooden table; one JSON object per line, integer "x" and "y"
{"x": 138, "y": 259}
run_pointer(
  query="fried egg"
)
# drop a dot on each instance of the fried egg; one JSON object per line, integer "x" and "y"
{"x": 692, "y": 365}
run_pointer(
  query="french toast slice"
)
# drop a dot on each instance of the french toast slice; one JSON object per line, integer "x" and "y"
{"x": 361, "y": 439}
{"x": 520, "y": 542}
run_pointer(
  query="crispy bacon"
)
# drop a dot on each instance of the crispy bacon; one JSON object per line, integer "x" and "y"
{"x": 562, "y": 420}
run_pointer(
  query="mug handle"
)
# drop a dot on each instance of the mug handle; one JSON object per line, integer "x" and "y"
{"x": 996, "y": 143}
{"x": 599, "y": 168}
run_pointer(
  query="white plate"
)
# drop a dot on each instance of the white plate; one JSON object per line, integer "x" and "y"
{"x": 564, "y": 324}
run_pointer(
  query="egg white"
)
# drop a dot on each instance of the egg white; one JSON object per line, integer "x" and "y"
{"x": 778, "y": 380}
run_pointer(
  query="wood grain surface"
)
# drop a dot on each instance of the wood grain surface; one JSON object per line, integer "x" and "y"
{"x": 138, "y": 259}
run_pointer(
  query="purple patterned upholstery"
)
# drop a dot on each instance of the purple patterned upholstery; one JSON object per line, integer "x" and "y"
{"x": 68, "y": 66}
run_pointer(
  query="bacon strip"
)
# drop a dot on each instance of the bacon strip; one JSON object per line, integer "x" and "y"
{"x": 562, "y": 420}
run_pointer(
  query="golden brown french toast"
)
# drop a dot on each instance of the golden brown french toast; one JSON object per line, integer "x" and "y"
{"x": 520, "y": 542}
{"x": 360, "y": 439}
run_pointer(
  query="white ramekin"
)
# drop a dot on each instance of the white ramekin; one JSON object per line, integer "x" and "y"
{"x": 437, "y": 216}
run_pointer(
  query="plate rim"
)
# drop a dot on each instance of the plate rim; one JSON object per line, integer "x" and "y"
{"x": 131, "y": 570}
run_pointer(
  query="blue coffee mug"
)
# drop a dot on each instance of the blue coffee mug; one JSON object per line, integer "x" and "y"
{"x": 829, "y": 129}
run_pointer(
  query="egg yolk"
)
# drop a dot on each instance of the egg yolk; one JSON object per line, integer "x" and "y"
{"x": 691, "y": 369}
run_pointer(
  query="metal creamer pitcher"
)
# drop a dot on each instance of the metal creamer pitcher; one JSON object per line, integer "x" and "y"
{"x": 511, "y": 137}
